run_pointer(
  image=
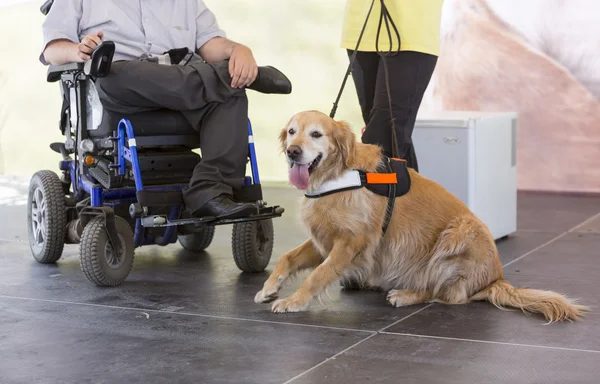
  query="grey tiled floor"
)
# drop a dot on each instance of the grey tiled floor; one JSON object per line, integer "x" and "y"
{"x": 185, "y": 318}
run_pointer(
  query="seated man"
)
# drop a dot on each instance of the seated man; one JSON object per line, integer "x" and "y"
{"x": 209, "y": 91}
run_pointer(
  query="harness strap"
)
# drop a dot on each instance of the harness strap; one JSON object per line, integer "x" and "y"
{"x": 355, "y": 179}
{"x": 391, "y": 200}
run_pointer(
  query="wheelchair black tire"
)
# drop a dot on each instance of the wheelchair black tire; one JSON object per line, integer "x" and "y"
{"x": 47, "y": 186}
{"x": 198, "y": 241}
{"x": 252, "y": 244}
{"x": 93, "y": 252}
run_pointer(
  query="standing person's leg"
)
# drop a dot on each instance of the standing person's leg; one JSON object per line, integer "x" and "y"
{"x": 364, "y": 74}
{"x": 409, "y": 74}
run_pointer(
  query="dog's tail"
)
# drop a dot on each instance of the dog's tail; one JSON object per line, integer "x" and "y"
{"x": 553, "y": 306}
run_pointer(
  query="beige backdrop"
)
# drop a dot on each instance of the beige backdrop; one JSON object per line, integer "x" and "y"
{"x": 540, "y": 58}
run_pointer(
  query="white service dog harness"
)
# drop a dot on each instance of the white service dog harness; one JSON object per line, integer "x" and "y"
{"x": 391, "y": 179}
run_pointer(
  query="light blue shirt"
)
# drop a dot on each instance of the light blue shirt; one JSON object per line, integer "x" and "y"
{"x": 139, "y": 28}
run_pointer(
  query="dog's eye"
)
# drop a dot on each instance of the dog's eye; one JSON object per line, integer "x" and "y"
{"x": 291, "y": 131}
{"x": 316, "y": 134}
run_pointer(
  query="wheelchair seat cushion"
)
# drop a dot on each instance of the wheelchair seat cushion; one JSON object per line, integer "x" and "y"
{"x": 164, "y": 122}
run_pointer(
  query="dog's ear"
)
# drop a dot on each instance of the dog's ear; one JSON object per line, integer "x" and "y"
{"x": 283, "y": 138}
{"x": 345, "y": 141}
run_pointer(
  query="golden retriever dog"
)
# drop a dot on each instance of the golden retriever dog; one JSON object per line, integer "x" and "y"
{"x": 434, "y": 250}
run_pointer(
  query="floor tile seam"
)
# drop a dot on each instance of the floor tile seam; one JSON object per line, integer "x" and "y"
{"x": 571, "y": 230}
{"x": 158, "y": 311}
{"x": 330, "y": 358}
{"x": 404, "y": 318}
{"x": 536, "y": 249}
{"x": 585, "y": 222}
{"x": 492, "y": 342}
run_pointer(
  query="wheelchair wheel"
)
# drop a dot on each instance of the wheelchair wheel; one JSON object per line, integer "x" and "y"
{"x": 99, "y": 262}
{"x": 46, "y": 217}
{"x": 252, "y": 244}
{"x": 198, "y": 241}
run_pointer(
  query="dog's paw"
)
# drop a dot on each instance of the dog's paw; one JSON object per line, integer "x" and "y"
{"x": 264, "y": 296}
{"x": 397, "y": 298}
{"x": 288, "y": 305}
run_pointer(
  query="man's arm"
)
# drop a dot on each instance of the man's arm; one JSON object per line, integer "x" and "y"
{"x": 62, "y": 51}
{"x": 61, "y": 32}
{"x": 213, "y": 46}
{"x": 242, "y": 66}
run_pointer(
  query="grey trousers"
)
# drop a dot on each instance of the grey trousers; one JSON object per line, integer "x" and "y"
{"x": 202, "y": 93}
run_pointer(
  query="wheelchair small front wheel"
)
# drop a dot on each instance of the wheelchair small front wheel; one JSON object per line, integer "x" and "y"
{"x": 198, "y": 241}
{"x": 100, "y": 263}
{"x": 252, "y": 244}
{"x": 46, "y": 217}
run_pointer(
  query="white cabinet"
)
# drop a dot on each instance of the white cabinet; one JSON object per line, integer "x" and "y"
{"x": 473, "y": 155}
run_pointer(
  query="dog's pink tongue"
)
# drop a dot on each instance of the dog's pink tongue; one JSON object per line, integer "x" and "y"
{"x": 299, "y": 175}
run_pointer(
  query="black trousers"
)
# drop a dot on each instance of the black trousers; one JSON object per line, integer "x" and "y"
{"x": 409, "y": 76}
{"x": 202, "y": 93}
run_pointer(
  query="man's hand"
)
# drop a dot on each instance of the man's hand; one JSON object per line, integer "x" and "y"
{"x": 242, "y": 67}
{"x": 88, "y": 44}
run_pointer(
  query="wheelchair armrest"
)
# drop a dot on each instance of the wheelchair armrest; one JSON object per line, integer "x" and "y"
{"x": 54, "y": 71}
{"x": 97, "y": 66}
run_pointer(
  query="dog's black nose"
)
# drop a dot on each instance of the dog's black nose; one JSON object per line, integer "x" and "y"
{"x": 294, "y": 151}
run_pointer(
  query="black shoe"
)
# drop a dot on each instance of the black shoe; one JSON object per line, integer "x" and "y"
{"x": 271, "y": 80}
{"x": 223, "y": 207}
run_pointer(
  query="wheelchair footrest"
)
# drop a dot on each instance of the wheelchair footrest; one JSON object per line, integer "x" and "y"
{"x": 163, "y": 221}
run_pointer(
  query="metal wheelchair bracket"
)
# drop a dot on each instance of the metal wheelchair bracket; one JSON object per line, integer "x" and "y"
{"x": 162, "y": 221}
{"x": 86, "y": 215}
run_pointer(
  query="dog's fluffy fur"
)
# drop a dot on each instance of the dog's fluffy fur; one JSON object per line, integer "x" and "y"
{"x": 435, "y": 249}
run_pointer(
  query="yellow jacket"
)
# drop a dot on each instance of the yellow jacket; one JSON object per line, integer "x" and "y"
{"x": 418, "y": 22}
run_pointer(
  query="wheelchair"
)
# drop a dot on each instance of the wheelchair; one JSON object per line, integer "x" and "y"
{"x": 121, "y": 182}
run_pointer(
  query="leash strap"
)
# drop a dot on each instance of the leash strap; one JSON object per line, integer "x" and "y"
{"x": 387, "y": 18}
{"x": 337, "y": 100}
{"x": 383, "y": 17}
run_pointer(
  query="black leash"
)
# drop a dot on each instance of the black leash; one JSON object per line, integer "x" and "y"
{"x": 337, "y": 100}
{"x": 387, "y": 18}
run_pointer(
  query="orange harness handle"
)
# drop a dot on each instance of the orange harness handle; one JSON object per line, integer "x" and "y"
{"x": 382, "y": 178}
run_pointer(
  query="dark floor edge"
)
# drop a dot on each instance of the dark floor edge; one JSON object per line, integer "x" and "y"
{"x": 558, "y": 193}
{"x": 148, "y": 310}
{"x": 491, "y": 342}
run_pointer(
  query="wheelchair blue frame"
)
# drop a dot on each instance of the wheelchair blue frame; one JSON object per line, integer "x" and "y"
{"x": 100, "y": 196}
